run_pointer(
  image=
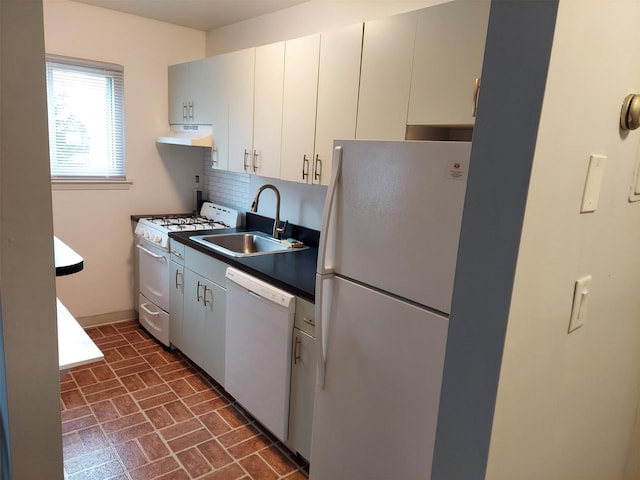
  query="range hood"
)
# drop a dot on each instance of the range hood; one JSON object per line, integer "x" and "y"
{"x": 191, "y": 135}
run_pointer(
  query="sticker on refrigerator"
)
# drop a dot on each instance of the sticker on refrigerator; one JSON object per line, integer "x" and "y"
{"x": 456, "y": 171}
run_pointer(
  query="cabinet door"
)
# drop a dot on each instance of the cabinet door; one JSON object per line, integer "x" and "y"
{"x": 239, "y": 81}
{"x": 176, "y": 304}
{"x": 303, "y": 378}
{"x": 189, "y": 86}
{"x": 178, "y": 93}
{"x": 194, "y": 316}
{"x": 219, "y": 112}
{"x": 212, "y": 342}
{"x": 267, "y": 113}
{"x": 338, "y": 83}
{"x": 200, "y": 84}
{"x": 387, "y": 56}
{"x": 448, "y": 58}
{"x": 299, "y": 107}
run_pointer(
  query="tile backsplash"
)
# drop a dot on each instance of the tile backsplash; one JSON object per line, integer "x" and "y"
{"x": 301, "y": 204}
{"x": 226, "y": 188}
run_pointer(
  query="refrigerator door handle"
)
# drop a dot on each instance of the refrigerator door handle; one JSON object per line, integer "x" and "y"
{"x": 323, "y": 298}
{"x": 323, "y": 268}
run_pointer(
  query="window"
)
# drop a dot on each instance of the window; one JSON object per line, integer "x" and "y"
{"x": 86, "y": 120}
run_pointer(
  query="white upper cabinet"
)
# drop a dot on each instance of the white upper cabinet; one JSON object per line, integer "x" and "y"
{"x": 189, "y": 86}
{"x": 385, "y": 81}
{"x": 220, "y": 114}
{"x": 267, "y": 110}
{"x": 239, "y": 78}
{"x": 275, "y": 110}
{"x": 253, "y": 79}
{"x": 322, "y": 74}
{"x": 338, "y": 83}
{"x": 448, "y": 58}
{"x": 299, "y": 107}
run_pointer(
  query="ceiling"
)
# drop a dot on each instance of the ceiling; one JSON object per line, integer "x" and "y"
{"x": 199, "y": 14}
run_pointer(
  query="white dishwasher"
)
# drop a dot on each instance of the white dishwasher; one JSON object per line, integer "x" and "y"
{"x": 258, "y": 349}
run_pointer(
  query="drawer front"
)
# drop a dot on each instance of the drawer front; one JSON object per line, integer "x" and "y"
{"x": 206, "y": 266}
{"x": 305, "y": 316}
{"x": 154, "y": 319}
{"x": 177, "y": 251}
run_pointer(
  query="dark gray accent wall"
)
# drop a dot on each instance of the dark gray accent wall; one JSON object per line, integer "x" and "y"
{"x": 5, "y": 457}
{"x": 514, "y": 74}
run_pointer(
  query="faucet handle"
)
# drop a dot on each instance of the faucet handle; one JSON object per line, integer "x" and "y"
{"x": 281, "y": 231}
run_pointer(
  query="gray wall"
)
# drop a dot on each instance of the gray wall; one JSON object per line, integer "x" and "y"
{"x": 514, "y": 75}
{"x": 30, "y": 406}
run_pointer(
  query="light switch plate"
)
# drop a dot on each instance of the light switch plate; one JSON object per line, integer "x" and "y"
{"x": 593, "y": 183}
{"x": 580, "y": 299}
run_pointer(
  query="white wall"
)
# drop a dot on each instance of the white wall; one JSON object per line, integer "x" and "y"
{"x": 29, "y": 377}
{"x": 96, "y": 222}
{"x": 567, "y": 402}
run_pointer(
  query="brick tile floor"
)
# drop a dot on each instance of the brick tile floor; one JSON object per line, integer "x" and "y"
{"x": 145, "y": 413}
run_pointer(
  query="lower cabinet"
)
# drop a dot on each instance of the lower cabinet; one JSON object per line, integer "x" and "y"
{"x": 176, "y": 302}
{"x": 198, "y": 311}
{"x": 204, "y": 324}
{"x": 303, "y": 379}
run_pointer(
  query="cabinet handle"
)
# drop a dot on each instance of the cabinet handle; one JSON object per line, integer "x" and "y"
{"x": 305, "y": 163}
{"x": 476, "y": 92}
{"x": 198, "y": 297}
{"x": 177, "y": 254}
{"x": 191, "y": 110}
{"x": 317, "y": 172}
{"x": 255, "y": 161}
{"x": 204, "y": 297}
{"x": 184, "y": 110}
{"x": 296, "y": 350}
{"x": 246, "y": 158}
{"x": 178, "y": 284}
{"x": 309, "y": 321}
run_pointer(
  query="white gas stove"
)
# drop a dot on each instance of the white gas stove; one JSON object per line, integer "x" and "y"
{"x": 156, "y": 229}
{"x": 154, "y": 260}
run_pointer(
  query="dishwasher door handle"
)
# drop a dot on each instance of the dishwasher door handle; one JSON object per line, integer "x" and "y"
{"x": 254, "y": 294}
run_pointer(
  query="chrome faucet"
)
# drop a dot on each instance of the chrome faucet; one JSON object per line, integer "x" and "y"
{"x": 277, "y": 231}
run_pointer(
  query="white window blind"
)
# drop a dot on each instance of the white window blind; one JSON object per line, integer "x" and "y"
{"x": 86, "y": 119}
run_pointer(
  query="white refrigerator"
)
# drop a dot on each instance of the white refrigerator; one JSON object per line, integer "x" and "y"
{"x": 386, "y": 264}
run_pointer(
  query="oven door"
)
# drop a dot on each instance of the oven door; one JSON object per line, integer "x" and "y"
{"x": 153, "y": 269}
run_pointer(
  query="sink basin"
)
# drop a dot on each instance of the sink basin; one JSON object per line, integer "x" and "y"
{"x": 245, "y": 244}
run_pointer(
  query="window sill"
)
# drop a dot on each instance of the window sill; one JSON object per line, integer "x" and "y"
{"x": 90, "y": 185}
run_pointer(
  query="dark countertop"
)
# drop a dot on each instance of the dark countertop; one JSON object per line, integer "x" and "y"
{"x": 67, "y": 261}
{"x": 294, "y": 271}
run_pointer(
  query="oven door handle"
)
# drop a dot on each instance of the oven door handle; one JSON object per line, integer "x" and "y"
{"x": 150, "y": 252}
{"x": 144, "y": 307}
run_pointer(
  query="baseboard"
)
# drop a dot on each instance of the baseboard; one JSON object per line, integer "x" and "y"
{"x": 107, "y": 318}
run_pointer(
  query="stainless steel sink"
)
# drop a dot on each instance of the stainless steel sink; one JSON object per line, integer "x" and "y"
{"x": 245, "y": 244}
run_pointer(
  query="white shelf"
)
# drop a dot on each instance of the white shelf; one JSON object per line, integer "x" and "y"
{"x": 75, "y": 347}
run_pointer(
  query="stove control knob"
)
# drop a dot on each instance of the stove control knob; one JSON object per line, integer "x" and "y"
{"x": 158, "y": 239}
